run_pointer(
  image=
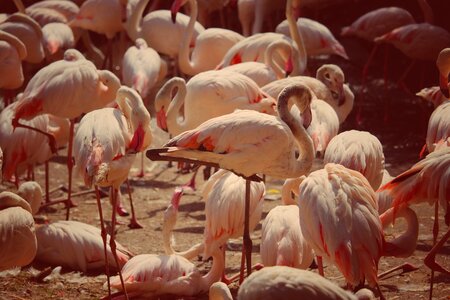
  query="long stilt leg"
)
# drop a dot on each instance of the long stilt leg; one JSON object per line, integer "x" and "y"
{"x": 430, "y": 259}
{"x": 134, "y": 224}
{"x": 69, "y": 202}
{"x": 103, "y": 233}
{"x": 435, "y": 234}
{"x": 320, "y": 265}
{"x": 366, "y": 66}
{"x": 406, "y": 268}
{"x": 401, "y": 80}
{"x": 112, "y": 241}
{"x": 47, "y": 188}
{"x": 247, "y": 240}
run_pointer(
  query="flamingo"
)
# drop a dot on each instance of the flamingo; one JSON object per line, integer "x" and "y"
{"x": 17, "y": 232}
{"x": 261, "y": 73}
{"x": 328, "y": 86}
{"x": 438, "y": 127}
{"x": 57, "y": 38}
{"x": 31, "y": 191}
{"x": 359, "y": 151}
{"x": 49, "y": 11}
{"x": 105, "y": 145}
{"x": 221, "y": 92}
{"x": 317, "y": 38}
{"x": 262, "y": 9}
{"x": 433, "y": 95}
{"x": 75, "y": 245}
{"x": 12, "y": 51}
{"x": 246, "y": 10}
{"x": 210, "y": 47}
{"x": 253, "y": 48}
{"x": 29, "y": 32}
{"x": 232, "y": 142}
{"x": 282, "y": 242}
{"x": 426, "y": 181}
{"x": 79, "y": 83}
{"x": 285, "y": 282}
{"x": 158, "y": 30}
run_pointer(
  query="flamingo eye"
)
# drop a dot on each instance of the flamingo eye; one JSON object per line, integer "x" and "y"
{"x": 327, "y": 75}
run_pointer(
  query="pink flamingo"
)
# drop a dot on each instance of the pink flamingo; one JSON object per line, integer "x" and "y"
{"x": 17, "y": 232}
{"x": 105, "y": 145}
{"x": 282, "y": 242}
{"x": 317, "y": 38}
{"x": 438, "y": 132}
{"x": 77, "y": 246}
{"x": 13, "y": 51}
{"x": 260, "y": 73}
{"x": 79, "y": 83}
{"x": 50, "y": 11}
{"x": 359, "y": 151}
{"x": 210, "y": 47}
{"x": 285, "y": 282}
{"x": 426, "y": 181}
{"x": 233, "y": 142}
{"x": 57, "y": 38}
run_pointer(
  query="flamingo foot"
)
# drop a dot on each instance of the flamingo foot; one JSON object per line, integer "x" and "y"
{"x": 229, "y": 280}
{"x": 406, "y": 268}
{"x": 134, "y": 224}
{"x": 122, "y": 211}
{"x": 70, "y": 204}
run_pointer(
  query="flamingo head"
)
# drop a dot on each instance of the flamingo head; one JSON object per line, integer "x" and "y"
{"x": 333, "y": 77}
{"x": 176, "y": 197}
{"x": 161, "y": 119}
{"x": 176, "y": 5}
{"x": 289, "y": 67}
{"x": 443, "y": 65}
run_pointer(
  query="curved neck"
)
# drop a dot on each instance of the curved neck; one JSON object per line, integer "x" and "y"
{"x": 405, "y": 244}
{"x": 215, "y": 273}
{"x": 303, "y": 97}
{"x": 270, "y": 61}
{"x": 184, "y": 60}
{"x": 347, "y": 106}
{"x": 291, "y": 185}
{"x": 173, "y": 111}
{"x": 133, "y": 24}
{"x": 20, "y": 6}
{"x": 296, "y": 36}
{"x": 170, "y": 220}
{"x": 427, "y": 12}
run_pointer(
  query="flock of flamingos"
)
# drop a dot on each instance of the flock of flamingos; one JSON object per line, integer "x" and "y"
{"x": 239, "y": 104}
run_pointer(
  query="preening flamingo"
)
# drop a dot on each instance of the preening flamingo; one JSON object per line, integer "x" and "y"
{"x": 17, "y": 232}
{"x": 28, "y": 32}
{"x": 77, "y": 246}
{"x": 426, "y": 181}
{"x": 105, "y": 145}
{"x": 49, "y": 11}
{"x": 206, "y": 95}
{"x": 79, "y": 83}
{"x": 232, "y": 142}
{"x": 31, "y": 191}
{"x": 282, "y": 242}
{"x": 210, "y": 47}
{"x": 158, "y": 30}
{"x": 277, "y": 282}
{"x": 359, "y": 151}
{"x": 433, "y": 95}
{"x": 12, "y": 52}
{"x": 252, "y": 48}
{"x": 260, "y": 73}
{"x": 56, "y": 39}
{"x": 317, "y": 38}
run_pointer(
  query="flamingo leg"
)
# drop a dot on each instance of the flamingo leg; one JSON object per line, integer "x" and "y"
{"x": 134, "y": 224}
{"x": 191, "y": 183}
{"x": 247, "y": 240}
{"x": 69, "y": 202}
{"x": 430, "y": 259}
{"x": 385, "y": 67}
{"x": 51, "y": 138}
{"x": 435, "y": 235}
{"x": 406, "y": 268}
{"x": 47, "y": 188}
{"x": 401, "y": 80}
{"x": 366, "y": 66}
{"x": 320, "y": 265}
{"x": 103, "y": 233}
{"x": 112, "y": 241}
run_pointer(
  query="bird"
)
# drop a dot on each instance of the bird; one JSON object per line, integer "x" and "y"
{"x": 56, "y": 39}
{"x": 79, "y": 83}
{"x": 77, "y": 246}
{"x": 262, "y": 9}
{"x": 433, "y": 95}
{"x": 50, "y": 11}
{"x": 360, "y": 151}
{"x": 219, "y": 291}
{"x": 105, "y": 146}
{"x": 31, "y": 191}
{"x": 28, "y": 32}
{"x": 253, "y": 48}
{"x": 206, "y": 95}
{"x": 210, "y": 45}
{"x": 426, "y": 181}
{"x": 333, "y": 202}
{"x": 285, "y": 282}
{"x": 317, "y": 38}
{"x": 13, "y": 52}
{"x": 158, "y": 30}
{"x": 260, "y": 73}
{"x": 282, "y": 242}
{"x": 438, "y": 131}
{"x": 17, "y": 232}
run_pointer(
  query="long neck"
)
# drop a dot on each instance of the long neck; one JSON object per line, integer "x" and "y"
{"x": 269, "y": 60}
{"x": 186, "y": 65}
{"x": 170, "y": 220}
{"x": 428, "y": 15}
{"x": 215, "y": 273}
{"x": 306, "y": 149}
{"x": 405, "y": 244}
{"x": 133, "y": 24}
{"x": 296, "y": 36}
{"x": 290, "y": 185}
{"x": 347, "y": 106}
{"x": 173, "y": 122}
{"x": 20, "y": 6}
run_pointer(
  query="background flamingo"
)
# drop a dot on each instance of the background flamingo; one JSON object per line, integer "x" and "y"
{"x": 433, "y": 95}
{"x": 57, "y": 38}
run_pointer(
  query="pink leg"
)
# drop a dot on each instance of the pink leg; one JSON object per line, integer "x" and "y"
{"x": 248, "y": 245}
{"x": 431, "y": 260}
{"x": 366, "y": 66}
{"x": 191, "y": 183}
{"x": 320, "y": 265}
{"x": 120, "y": 209}
{"x": 401, "y": 80}
{"x": 406, "y": 268}
{"x": 134, "y": 224}
{"x": 69, "y": 202}
{"x": 51, "y": 138}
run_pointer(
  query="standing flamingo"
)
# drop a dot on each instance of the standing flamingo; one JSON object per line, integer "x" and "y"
{"x": 359, "y": 151}
{"x": 233, "y": 142}
{"x": 12, "y": 51}
{"x": 17, "y": 232}
{"x": 282, "y": 242}
{"x": 210, "y": 47}
{"x": 105, "y": 145}
{"x": 426, "y": 181}
{"x": 79, "y": 83}
{"x": 317, "y": 38}
{"x": 75, "y": 245}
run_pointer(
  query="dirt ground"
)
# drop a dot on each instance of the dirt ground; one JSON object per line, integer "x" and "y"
{"x": 402, "y": 131}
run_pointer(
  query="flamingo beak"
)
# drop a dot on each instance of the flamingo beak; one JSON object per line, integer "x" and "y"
{"x": 161, "y": 119}
{"x": 289, "y": 67}
{"x": 443, "y": 83}
{"x": 176, "y": 5}
{"x": 341, "y": 95}
{"x": 137, "y": 141}
{"x": 176, "y": 197}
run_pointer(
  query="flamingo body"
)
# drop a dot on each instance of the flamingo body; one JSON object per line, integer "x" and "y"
{"x": 438, "y": 126}
{"x": 57, "y": 38}
{"x": 49, "y": 11}
{"x": 12, "y": 52}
